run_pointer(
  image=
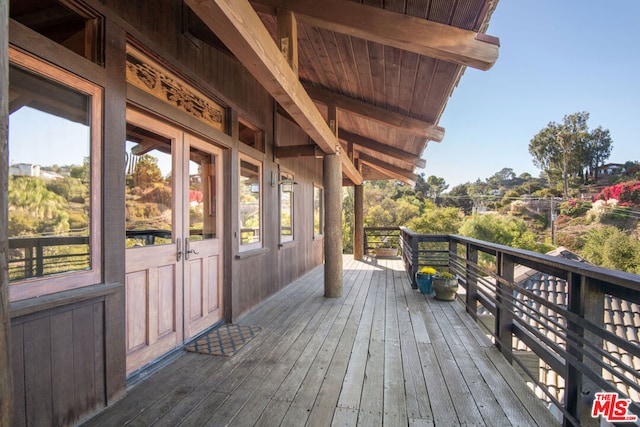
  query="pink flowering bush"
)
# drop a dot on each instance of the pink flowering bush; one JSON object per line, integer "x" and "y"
{"x": 626, "y": 193}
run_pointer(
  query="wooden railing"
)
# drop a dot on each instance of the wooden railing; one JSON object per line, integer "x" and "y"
{"x": 566, "y": 327}
{"x": 36, "y": 256}
{"x": 380, "y": 237}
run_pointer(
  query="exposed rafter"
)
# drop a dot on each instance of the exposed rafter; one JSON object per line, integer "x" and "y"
{"x": 363, "y": 142}
{"x": 377, "y": 114}
{"x": 389, "y": 170}
{"x": 405, "y": 32}
{"x": 237, "y": 24}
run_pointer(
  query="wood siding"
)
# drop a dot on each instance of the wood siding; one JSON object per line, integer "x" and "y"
{"x": 69, "y": 357}
{"x": 60, "y": 356}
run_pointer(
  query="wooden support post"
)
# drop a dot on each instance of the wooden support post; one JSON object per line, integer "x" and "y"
{"x": 333, "y": 214}
{"x": 414, "y": 243}
{"x": 504, "y": 294}
{"x": 472, "y": 281}
{"x": 358, "y": 222}
{"x": 6, "y": 382}
{"x": 587, "y": 301}
{"x": 333, "y": 226}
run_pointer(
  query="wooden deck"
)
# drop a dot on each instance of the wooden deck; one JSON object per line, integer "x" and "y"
{"x": 383, "y": 354}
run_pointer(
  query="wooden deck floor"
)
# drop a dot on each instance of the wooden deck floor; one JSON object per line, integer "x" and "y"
{"x": 381, "y": 355}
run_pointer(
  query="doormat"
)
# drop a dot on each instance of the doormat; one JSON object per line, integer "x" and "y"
{"x": 225, "y": 340}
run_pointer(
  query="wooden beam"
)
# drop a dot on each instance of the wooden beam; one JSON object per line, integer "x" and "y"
{"x": 389, "y": 170}
{"x": 241, "y": 30}
{"x": 378, "y": 114}
{"x": 387, "y": 150}
{"x": 306, "y": 150}
{"x": 409, "y": 33}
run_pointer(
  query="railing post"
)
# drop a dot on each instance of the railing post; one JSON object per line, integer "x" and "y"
{"x": 415, "y": 258}
{"x": 453, "y": 252}
{"x": 471, "y": 278}
{"x": 585, "y": 299}
{"x": 504, "y": 295}
{"x": 28, "y": 261}
{"x": 39, "y": 259}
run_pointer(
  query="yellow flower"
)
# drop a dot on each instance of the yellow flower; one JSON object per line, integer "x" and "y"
{"x": 428, "y": 270}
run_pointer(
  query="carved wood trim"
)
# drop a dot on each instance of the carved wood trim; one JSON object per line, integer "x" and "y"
{"x": 150, "y": 77}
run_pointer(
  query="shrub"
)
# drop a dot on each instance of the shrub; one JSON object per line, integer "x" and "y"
{"x": 612, "y": 248}
{"x": 574, "y": 208}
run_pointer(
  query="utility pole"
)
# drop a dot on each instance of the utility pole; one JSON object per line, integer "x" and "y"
{"x": 553, "y": 222}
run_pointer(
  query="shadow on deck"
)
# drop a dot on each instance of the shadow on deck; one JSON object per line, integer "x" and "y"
{"x": 381, "y": 354}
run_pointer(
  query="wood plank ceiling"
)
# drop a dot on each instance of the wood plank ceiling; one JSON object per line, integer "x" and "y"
{"x": 388, "y": 66}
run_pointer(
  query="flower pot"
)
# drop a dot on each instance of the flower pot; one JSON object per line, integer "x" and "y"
{"x": 424, "y": 283}
{"x": 445, "y": 289}
{"x": 386, "y": 252}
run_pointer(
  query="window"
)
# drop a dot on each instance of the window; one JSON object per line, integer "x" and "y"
{"x": 67, "y": 23}
{"x": 318, "y": 211}
{"x": 250, "y": 205}
{"x": 250, "y": 135}
{"x": 54, "y": 179}
{"x": 286, "y": 207}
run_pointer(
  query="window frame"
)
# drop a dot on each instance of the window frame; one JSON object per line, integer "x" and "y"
{"x": 259, "y": 244}
{"x": 320, "y": 198}
{"x": 55, "y": 283}
{"x": 285, "y": 175}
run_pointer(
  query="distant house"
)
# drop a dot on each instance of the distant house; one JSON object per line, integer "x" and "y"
{"x": 28, "y": 169}
{"x": 610, "y": 169}
{"x": 24, "y": 169}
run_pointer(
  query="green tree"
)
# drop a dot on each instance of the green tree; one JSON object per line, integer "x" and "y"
{"x": 598, "y": 149}
{"x": 437, "y": 221}
{"x": 147, "y": 172}
{"x": 347, "y": 220}
{"x": 502, "y": 178}
{"x": 435, "y": 186}
{"x": 459, "y": 198}
{"x": 561, "y": 147}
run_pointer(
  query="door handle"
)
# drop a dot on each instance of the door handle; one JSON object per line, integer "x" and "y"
{"x": 187, "y": 250}
{"x": 179, "y": 248}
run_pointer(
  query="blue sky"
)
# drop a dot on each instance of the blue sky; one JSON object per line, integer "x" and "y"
{"x": 557, "y": 57}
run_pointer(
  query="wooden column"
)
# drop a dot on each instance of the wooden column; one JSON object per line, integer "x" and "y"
{"x": 6, "y": 383}
{"x": 333, "y": 215}
{"x": 358, "y": 222}
{"x": 332, "y": 226}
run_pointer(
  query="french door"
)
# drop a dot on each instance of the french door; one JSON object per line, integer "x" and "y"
{"x": 173, "y": 237}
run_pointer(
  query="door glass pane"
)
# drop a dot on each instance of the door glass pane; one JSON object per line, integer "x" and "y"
{"x": 202, "y": 195}
{"x": 49, "y": 177}
{"x": 149, "y": 188}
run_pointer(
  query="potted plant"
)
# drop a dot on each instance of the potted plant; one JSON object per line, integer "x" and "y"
{"x": 387, "y": 248}
{"x": 446, "y": 286}
{"x": 424, "y": 277}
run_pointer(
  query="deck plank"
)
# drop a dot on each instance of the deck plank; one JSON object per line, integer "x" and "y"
{"x": 381, "y": 354}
